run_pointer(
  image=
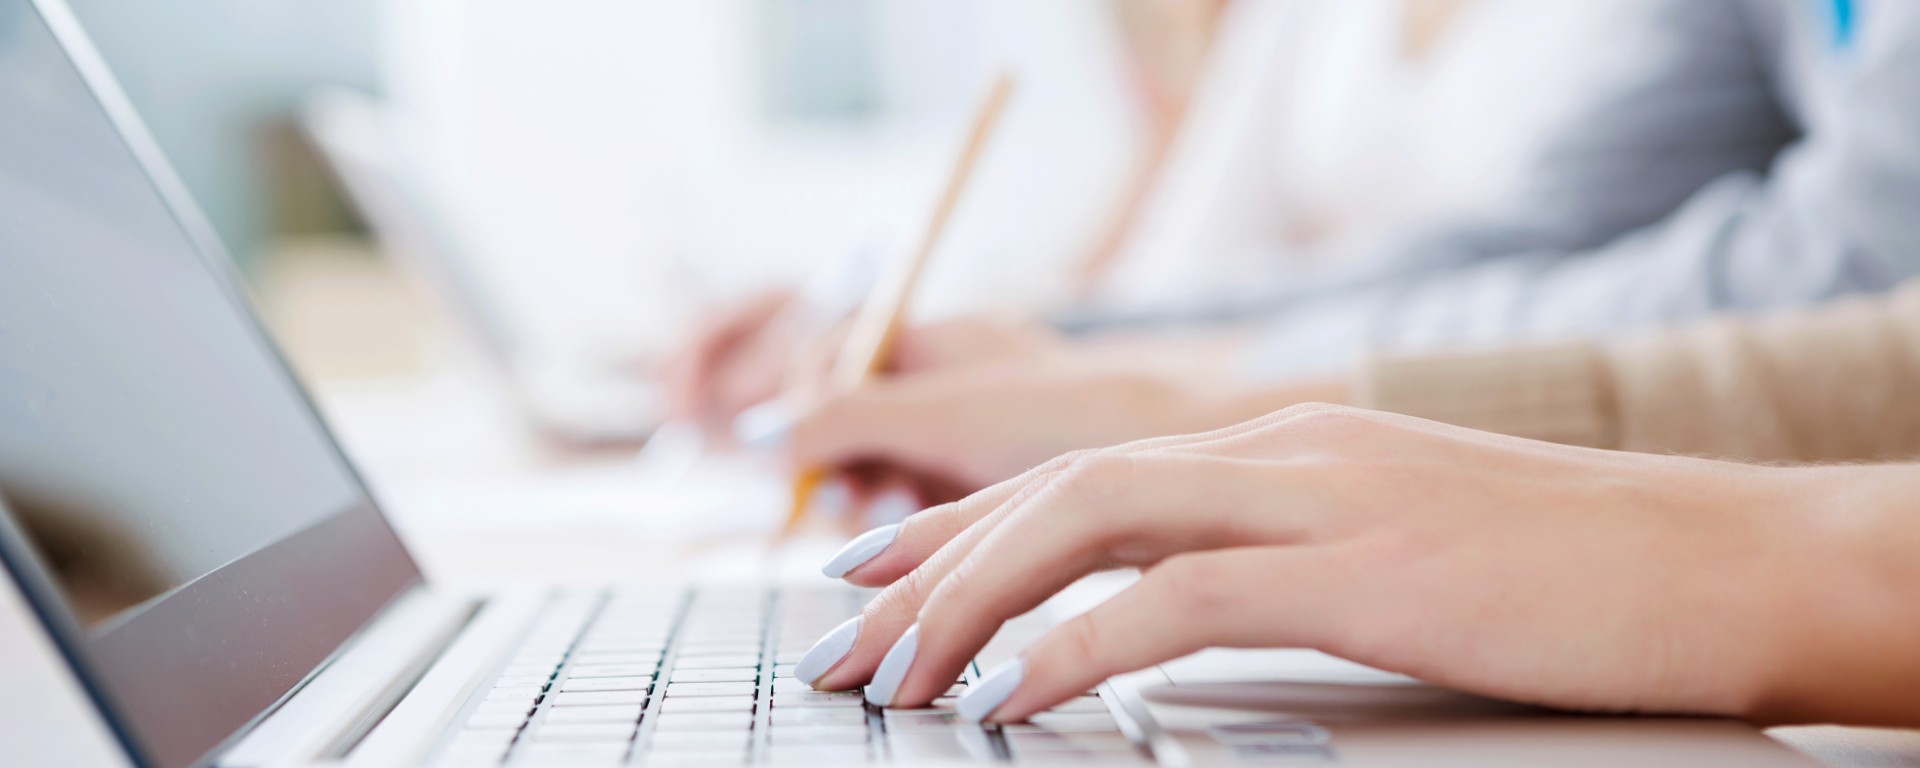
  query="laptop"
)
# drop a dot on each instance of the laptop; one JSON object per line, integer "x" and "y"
{"x": 223, "y": 587}
{"x": 576, "y": 396}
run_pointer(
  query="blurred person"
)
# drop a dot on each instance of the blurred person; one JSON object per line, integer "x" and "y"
{"x": 1725, "y": 155}
{"x": 1830, "y": 384}
{"x": 1751, "y": 154}
{"x": 1293, "y": 121}
{"x": 1550, "y": 575}
{"x": 1317, "y": 122}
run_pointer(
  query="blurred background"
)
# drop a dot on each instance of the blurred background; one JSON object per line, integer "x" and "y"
{"x": 419, "y": 190}
{"x": 610, "y": 167}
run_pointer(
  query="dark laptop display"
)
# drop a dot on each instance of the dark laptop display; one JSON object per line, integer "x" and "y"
{"x": 172, "y": 498}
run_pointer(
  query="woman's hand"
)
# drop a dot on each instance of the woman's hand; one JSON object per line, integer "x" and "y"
{"x": 738, "y": 359}
{"x": 970, "y": 425}
{"x": 765, "y": 347}
{"x": 1538, "y": 573}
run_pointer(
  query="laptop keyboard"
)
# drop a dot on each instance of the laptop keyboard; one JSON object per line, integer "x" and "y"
{"x": 707, "y": 678}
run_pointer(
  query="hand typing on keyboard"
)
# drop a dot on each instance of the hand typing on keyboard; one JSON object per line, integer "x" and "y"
{"x": 1476, "y": 561}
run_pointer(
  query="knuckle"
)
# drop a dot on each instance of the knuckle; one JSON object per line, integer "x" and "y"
{"x": 1068, "y": 460}
{"x": 1099, "y": 474}
{"x": 1325, "y": 413}
{"x": 1321, "y": 418}
{"x": 1299, "y": 410}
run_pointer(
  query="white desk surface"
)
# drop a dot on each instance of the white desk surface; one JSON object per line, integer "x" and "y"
{"x": 483, "y": 509}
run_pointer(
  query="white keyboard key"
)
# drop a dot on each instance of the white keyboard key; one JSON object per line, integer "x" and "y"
{"x": 706, "y": 649}
{"x": 708, "y": 704}
{"x": 607, "y": 684}
{"x": 629, "y": 647}
{"x": 724, "y": 675}
{"x": 563, "y": 753}
{"x": 612, "y": 713}
{"x": 514, "y": 693}
{"x": 922, "y": 720}
{"x": 834, "y": 754}
{"x": 1040, "y": 743}
{"x": 684, "y": 741}
{"x": 836, "y": 734}
{"x": 702, "y": 758}
{"x": 1074, "y": 722}
{"x": 601, "y": 659}
{"x": 812, "y": 698}
{"x": 819, "y": 716}
{"x": 928, "y": 747}
{"x": 702, "y": 721}
{"x": 519, "y": 681}
{"x": 748, "y": 660}
{"x": 710, "y": 689}
{"x": 597, "y": 698}
{"x": 612, "y": 670}
{"x": 594, "y": 732}
{"x": 503, "y": 707}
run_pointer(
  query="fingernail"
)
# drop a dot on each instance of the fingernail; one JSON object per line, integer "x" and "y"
{"x": 893, "y": 668}
{"x": 982, "y": 698}
{"x": 893, "y": 506}
{"x": 764, "y": 428}
{"x": 827, "y": 651}
{"x": 856, "y": 553}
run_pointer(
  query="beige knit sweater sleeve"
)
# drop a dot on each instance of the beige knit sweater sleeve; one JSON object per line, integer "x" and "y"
{"x": 1838, "y": 383}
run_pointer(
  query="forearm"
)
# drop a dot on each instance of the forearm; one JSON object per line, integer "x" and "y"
{"x": 1848, "y": 616}
{"x": 1827, "y": 385}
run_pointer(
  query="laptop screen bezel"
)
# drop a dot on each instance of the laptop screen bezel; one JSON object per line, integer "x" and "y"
{"x": 354, "y": 534}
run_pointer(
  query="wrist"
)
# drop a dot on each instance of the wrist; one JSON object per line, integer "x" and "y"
{"x": 1848, "y": 614}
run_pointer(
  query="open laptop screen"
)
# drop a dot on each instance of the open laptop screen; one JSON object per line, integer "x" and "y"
{"x": 191, "y": 524}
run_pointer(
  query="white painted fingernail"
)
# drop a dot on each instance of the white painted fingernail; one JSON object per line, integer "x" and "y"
{"x": 984, "y": 697}
{"x": 764, "y": 428}
{"x": 856, "y": 553}
{"x": 893, "y": 668}
{"x": 893, "y": 506}
{"x": 827, "y": 651}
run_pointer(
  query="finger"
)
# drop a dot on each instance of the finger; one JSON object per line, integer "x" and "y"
{"x": 847, "y": 656}
{"x": 886, "y": 553}
{"x": 1107, "y": 511}
{"x": 696, "y": 374}
{"x": 810, "y": 370}
{"x": 1188, "y": 603}
{"x": 753, "y": 375}
{"x": 921, "y": 553}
